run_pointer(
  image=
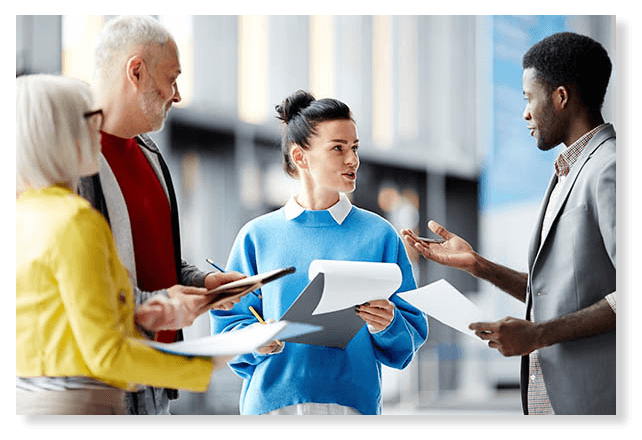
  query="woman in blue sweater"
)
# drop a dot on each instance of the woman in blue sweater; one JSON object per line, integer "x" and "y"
{"x": 319, "y": 147}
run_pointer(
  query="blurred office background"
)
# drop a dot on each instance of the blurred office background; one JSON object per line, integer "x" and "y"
{"x": 438, "y": 103}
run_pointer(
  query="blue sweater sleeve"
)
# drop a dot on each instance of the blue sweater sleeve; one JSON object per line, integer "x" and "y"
{"x": 397, "y": 344}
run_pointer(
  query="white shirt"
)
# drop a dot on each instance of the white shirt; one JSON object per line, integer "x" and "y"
{"x": 339, "y": 211}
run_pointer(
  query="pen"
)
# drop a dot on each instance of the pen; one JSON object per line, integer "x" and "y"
{"x": 257, "y": 316}
{"x": 214, "y": 264}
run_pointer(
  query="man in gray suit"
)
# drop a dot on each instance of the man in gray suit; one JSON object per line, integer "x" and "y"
{"x": 568, "y": 337}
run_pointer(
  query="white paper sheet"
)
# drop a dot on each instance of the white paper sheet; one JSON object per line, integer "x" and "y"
{"x": 446, "y": 304}
{"x": 349, "y": 283}
{"x": 235, "y": 342}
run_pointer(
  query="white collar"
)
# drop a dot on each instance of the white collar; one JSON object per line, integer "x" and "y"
{"x": 339, "y": 211}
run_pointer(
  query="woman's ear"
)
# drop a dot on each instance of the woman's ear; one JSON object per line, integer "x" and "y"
{"x": 298, "y": 156}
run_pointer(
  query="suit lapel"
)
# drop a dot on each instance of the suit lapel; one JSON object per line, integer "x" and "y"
{"x": 568, "y": 184}
{"x": 537, "y": 232}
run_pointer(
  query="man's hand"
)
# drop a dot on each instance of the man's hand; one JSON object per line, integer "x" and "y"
{"x": 192, "y": 301}
{"x": 511, "y": 336}
{"x": 457, "y": 253}
{"x": 214, "y": 280}
{"x": 514, "y": 337}
{"x": 158, "y": 313}
{"x": 453, "y": 251}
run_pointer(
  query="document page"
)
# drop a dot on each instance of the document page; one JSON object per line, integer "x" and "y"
{"x": 340, "y": 285}
{"x": 349, "y": 283}
{"x": 235, "y": 342}
{"x": 446, "y": 304}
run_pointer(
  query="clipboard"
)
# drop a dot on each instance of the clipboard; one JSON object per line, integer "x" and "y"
{"x": 237, "y": 289}
{"x": 338, "y": 327}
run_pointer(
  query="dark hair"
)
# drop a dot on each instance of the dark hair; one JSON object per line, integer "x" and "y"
{"x": 301, "y": 113}
{"x": 575, "y": 60}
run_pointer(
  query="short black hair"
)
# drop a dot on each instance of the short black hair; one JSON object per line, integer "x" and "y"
{"x": 300, "y": 113}
{"x": 571, "y": 59}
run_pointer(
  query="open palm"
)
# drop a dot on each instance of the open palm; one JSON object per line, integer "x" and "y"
{"x": 453, "y": 251}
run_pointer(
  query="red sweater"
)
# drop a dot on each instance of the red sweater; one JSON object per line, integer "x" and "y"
{"x": 149, "y": 215}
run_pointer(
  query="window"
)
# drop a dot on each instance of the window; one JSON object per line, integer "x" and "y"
{"x": 180, "y": 26}
{"x": 322, "y": 66}
{"x": 253, "y": 67}
{"x": 382, "y": 81}
{"x": 79, "y": 33}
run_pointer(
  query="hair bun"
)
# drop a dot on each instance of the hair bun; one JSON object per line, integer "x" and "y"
{"x": 293, "y": 104}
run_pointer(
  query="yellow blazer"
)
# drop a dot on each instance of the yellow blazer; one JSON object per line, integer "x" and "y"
{"x": 75, "y": 304}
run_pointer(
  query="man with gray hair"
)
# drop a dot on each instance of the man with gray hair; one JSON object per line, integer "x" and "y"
{"x": 137, "y": 65}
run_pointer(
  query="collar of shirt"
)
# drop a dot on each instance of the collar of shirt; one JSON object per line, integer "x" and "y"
{"x": 339, "y": 211}
{"x": 569, "y": 156}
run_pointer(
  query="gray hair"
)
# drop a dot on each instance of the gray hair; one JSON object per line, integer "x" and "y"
{"x": 120, "y": 35}
{"x": 53, "y": 138}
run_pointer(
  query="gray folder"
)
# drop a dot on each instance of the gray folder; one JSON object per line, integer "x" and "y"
{"x": 339, "y": 327}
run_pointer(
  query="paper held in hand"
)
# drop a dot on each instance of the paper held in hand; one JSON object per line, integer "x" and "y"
{"x": 235, "y": 342}
{"x": 446, "y": 304}
{"x": 348, "y": 283}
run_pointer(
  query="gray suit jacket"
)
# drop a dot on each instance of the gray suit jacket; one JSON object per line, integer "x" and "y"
{"x": 571, "y": 268}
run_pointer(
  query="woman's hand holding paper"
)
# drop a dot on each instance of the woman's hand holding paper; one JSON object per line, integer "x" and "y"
{"x": 377, "y": 313}
{"x": 272, "y": 347}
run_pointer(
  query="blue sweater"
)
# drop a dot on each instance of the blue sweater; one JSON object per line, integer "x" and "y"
{"x": 308, "y": 373}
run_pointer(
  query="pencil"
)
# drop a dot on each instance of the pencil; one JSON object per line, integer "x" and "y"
{"x": 214, "y": 264}
{"x": 257, "y": 316}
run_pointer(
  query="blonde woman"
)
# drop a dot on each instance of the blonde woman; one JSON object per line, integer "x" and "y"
{"x": 77, "y": 346}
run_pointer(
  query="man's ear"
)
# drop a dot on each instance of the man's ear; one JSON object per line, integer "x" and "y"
{"x": 561, "y": 97}
{"x": 135, "y": 67}
{"x": 298, "y": 156}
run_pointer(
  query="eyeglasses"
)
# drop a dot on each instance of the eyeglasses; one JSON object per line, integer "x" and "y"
{"x": 93, "y": 113}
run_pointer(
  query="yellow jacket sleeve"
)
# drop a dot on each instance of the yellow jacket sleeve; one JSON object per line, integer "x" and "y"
{"x": 99, "y": 305}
